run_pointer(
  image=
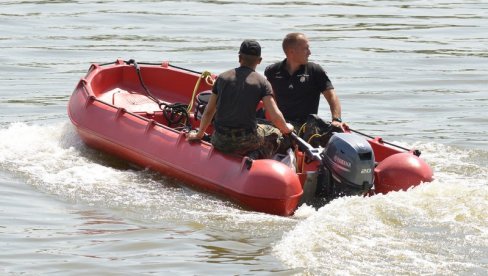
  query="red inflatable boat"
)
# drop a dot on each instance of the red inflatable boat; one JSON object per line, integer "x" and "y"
{"x": 140, "y": 112}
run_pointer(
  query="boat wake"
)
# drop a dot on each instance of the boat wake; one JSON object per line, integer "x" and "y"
{"x": 439, "y": 227}
{"x": 55, "y": 161}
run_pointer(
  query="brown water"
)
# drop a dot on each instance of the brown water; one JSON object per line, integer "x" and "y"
{"x": 413, "y": 72}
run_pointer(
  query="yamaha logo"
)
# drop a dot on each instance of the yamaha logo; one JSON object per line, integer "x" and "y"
{"x": 342, "y": 162}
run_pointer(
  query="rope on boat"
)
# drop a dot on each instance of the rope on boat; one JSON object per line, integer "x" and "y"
{"x": 148, "y": 93}
{"x": 313, "y": 136}
{"x": 177, "y": 116}
{"x": 208, "y": 79}
{"x": 302, "y": 129}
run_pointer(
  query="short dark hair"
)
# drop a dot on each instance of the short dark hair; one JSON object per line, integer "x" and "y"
{"x": 291, "y": 40}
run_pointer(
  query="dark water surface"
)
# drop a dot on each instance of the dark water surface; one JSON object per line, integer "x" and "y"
{"x": 413, "y": 72}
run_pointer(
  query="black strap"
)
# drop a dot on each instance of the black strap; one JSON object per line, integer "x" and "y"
{"x": 148, "y": 93}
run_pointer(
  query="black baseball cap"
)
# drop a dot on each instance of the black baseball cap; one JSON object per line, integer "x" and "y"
{"x": 250, "y": 47}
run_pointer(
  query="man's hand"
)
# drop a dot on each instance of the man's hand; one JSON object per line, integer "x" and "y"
{"x": 193, "y": 136}
{"x": 342, "y": 125}
{"x": 290, "y": 128}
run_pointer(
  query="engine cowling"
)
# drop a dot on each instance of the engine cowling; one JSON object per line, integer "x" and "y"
{"x": 349, "y": 161}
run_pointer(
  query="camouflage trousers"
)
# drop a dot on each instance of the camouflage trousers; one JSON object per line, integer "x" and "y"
{"x": 262, "y": 143}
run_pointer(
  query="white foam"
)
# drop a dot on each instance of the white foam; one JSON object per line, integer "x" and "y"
{"x": 440, "y": 227}
{"x": 54, "y": 160}
{"x": 428, "y": 229}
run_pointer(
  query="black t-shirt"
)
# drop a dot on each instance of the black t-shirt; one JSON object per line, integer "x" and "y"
{"x": 298, "y": 95}
{"x": 239, "y": 92}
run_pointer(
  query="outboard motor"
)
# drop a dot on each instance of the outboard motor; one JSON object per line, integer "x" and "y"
{"x": 348, "y": 167}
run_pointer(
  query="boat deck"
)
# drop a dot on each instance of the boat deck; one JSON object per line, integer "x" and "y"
{"x": 131, "y": 101}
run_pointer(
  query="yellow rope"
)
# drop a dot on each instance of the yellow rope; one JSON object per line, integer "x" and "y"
{"x": 313, "y": 136}
{"x": 208, "y": 79}
{"x": 301, "y": 128}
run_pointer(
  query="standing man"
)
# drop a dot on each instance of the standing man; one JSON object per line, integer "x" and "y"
{"x": 298, "y": 83}
{"x": 235, "y": 96}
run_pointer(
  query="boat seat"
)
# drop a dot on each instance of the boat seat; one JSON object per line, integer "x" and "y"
{"x": 132, "y": 102}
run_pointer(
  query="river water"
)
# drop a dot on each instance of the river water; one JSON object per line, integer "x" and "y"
{"x": 412, "y": 72}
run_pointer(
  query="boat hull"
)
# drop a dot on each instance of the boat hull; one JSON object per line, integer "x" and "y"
{"x": 261, "y": 185}
{"x": 113, "y": 110}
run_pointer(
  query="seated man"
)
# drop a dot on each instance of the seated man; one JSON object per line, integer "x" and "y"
{"x": 235, "y": 97}
{"x": 298, "y": 83}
